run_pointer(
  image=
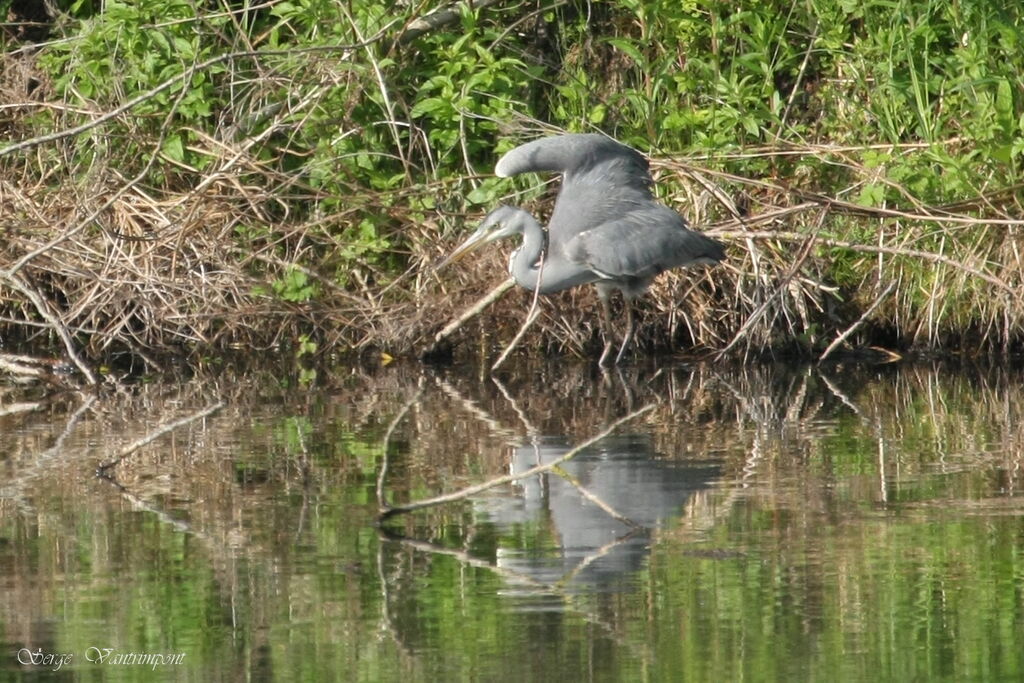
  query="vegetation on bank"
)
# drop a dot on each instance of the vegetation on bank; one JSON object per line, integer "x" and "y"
{"x": 185, "y": 178}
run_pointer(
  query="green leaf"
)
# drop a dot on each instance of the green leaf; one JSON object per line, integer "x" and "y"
{"x": 160, "y": 39}
{"x": 173, "y": 148}
{"x": 872, "y": 194}
{"x": 294, "y": 287}
{"x": 627, "y": 48}
{"x": 184, "y": 48}
{"x": 1002, "y": 153}
{"x": 481, "y": 195}
{"x": 428, "y": 106}
{"x": 1004, "y": 106}
{"x": 283, "y": 9}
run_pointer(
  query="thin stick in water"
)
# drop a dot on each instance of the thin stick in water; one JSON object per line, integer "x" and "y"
{"x": 101, "y": 470}
{"x": 473, "y": 310}
{"x": 850, "y": 330}
{"x": 382, "y": 475}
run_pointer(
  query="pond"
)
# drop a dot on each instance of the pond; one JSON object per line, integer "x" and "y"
{"x": 759, "y": 522}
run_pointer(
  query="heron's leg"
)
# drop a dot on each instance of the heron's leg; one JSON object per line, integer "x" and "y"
{"x": 627, "y": 338}
{"x": 606, "y": 326}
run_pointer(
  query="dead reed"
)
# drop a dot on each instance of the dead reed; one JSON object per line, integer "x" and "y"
{"x": 117, "y": 268}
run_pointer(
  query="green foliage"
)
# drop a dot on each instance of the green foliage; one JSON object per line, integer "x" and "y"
{"x": 130, "y": 48}
{"x": 714, "y": 76}
{"x": 306, "y": 347}
{"x": 295, "y": 286}
{"x": 463, "y": 101}
{"x": 705, "y": 76}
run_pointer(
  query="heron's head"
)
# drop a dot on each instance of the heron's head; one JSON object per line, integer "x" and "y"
{"x": 504, "y": 221}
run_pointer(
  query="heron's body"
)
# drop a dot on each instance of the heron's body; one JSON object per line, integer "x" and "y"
{"x": 606, "y": 227}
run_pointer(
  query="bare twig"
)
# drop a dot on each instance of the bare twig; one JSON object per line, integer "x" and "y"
{"x": 56, "y": 325}
{"x": 103, "y": 468}
{"x": 852, "y": 328}
{"x": 382, "y": 475}
{"x": 531, "y": 316}
{"x": 21, "y": 366}
{"x": 473, "y": 310}
{"x": 595, "y": 499}
{"x": 873, "y": 249}
{"x": 437, "y": 19}
{"x": 805, "y": 251}
{"x": 15, "y": 408}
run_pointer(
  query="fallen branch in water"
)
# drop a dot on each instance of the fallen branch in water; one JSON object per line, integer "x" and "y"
{"x": 531, "y": 317}
{"x": 21, "y": 366}
{"x": 469, "y": 491}
{"x": 102, "y": 469}
{"x": 595, "y": 499}
{"x": 15, "y": 408}
{"x": 850, "y": 330}
{"x": 43, "y": 308}
{"x": 470, "y": 312}
{"x": 382, "y": 475}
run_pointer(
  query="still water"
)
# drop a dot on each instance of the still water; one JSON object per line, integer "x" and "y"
{"x": 764, "y": 522}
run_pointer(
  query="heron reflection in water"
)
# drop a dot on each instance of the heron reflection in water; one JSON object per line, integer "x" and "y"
{"x": 594, "y": 550}
{"x": 606, "y": 227}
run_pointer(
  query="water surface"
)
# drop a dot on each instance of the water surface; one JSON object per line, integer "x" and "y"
{"x": 766, "y": 522}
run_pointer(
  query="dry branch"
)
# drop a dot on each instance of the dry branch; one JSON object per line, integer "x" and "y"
{"x": 103, "y": 468}
{"x": 437, "y": 19}
{"x": 803, "y": 254}
{"x": 44, "y": 310}
{"x": 875, "y": 249}
{"x": 383, "y": 473}
{"x": 531, "y": 316}
{"x": 15, "y": 408}
{"x": 21, "y": 366}
{"x": 860, "y": 321}
{"x": 595, "y": 499}
{"x": 480, "y": 305}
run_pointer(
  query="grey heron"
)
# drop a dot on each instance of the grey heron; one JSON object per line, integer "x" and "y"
{"x": 606, "y": 227}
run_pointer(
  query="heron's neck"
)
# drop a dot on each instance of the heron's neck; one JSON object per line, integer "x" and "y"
{"x": 525, "y": 261}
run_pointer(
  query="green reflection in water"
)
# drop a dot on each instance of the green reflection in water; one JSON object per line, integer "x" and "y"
{"x": 858, "y": 526}
{"x": 895, "y": 598}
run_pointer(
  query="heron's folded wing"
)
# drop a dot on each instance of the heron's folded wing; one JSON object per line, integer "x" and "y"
{"x": 642, "y": 244}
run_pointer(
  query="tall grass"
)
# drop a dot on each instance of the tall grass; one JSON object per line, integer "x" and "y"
{"x": 306, "y": 161}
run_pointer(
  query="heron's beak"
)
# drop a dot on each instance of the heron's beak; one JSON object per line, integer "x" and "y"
{"x": 478, "y": 239}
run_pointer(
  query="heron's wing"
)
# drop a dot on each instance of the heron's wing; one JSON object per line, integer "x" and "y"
{"x": 641, "y": 244}
{"x": 575, "y": 154}
{"x": 596, "y": 197}
{"x": 601, "y": 178}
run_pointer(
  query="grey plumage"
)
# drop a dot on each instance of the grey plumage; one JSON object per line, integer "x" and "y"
{"x": 606, "y": 227}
